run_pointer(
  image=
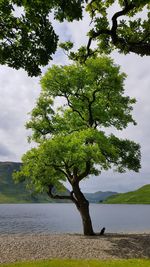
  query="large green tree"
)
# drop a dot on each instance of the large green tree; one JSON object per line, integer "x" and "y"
{"x": 28, "y": 40}
{"x": 71, "y": 142}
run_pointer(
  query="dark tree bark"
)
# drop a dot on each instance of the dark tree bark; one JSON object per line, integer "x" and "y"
{"x": 83, "y": 207}
{"x": 81, "y": 203}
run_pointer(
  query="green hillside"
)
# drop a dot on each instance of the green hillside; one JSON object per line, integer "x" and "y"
{"x": 139, "y": 196}
{"x": 16, "y": 193}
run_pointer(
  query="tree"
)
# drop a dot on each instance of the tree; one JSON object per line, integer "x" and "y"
{"x": 71, "y": 143}
{"x": 28, "y": 40}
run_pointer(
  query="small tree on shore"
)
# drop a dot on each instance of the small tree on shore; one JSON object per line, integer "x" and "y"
{"x": 71, "y": 140}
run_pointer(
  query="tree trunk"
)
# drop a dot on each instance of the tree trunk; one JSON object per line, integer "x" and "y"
{"x": 83, "y": 207}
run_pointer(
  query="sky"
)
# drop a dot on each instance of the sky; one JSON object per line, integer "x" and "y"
{"x": 18, "y": 94}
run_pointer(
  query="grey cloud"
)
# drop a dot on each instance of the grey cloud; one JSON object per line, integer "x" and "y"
{"x": 17, "y": 96}
{"x": 144, "y": 73}
{"x": 4, "y": 151}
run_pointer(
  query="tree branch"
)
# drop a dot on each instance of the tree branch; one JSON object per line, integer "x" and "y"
{"x": 86, "y": 172}
{"x": 94, "y": 36}
{"x": 75, "y": 110}
{"x": 128, "y": 7}
{"x": 46, "y": 118}
{"x": 69, "y": 175}
{"x": 126, "y": 3}
{"x": 142, "y": 48}
{"x": 91, "y": 120}
{"x": 51, "y": 195}
{"x": 61, "y": 170}
{"x": 8, "y": 40}
{"x": 42, "y": 132}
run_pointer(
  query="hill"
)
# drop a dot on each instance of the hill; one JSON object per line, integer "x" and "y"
{"x": 139, "y": 196}
{"x": 17, "y": 193}
{"x": 98, "y": 196}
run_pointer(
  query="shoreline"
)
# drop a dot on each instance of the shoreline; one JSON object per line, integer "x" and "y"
{"x": 25, "y": 247}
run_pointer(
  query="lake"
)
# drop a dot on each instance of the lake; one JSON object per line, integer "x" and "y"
{"x": 64, "y": 218}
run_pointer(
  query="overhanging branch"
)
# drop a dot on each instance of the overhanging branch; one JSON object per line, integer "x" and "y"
{"x": 128, "y": 7}
{"x": 142, "y": 48}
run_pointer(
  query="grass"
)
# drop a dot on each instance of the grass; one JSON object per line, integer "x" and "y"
{"x": 139, "y": 196}
{"x": 83, "y": 263}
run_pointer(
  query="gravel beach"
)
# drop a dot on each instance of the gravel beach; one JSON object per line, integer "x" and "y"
{"x": 25, "y": 247}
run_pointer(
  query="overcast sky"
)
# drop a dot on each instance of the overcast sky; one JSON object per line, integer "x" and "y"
{"x": 18, "y": 94}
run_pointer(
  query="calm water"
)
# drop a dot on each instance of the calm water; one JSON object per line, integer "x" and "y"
{"x": 46, "y": 218}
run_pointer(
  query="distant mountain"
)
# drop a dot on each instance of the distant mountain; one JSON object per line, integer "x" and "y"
{"x": 17, "y": 193}
{"x": 99, "y": 196}
{"x": 139, "y": 196}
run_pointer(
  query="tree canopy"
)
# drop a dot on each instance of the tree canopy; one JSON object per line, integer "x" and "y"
{"x": 71, "y": 142}
{"x": 28, "y": 40}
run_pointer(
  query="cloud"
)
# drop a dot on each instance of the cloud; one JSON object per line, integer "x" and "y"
{"x": 115, "y": 182}
{"x": 17, "y": 97}
{"x": 5, "y": 152}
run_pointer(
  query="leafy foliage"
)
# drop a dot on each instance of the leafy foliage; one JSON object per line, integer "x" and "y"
{"x": 71, "y": 142}
{"x": 130, "y": 34}
{"x": 28, "y": 39}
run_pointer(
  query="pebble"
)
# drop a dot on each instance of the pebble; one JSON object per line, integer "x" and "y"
{"x": 25, "y": 247}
